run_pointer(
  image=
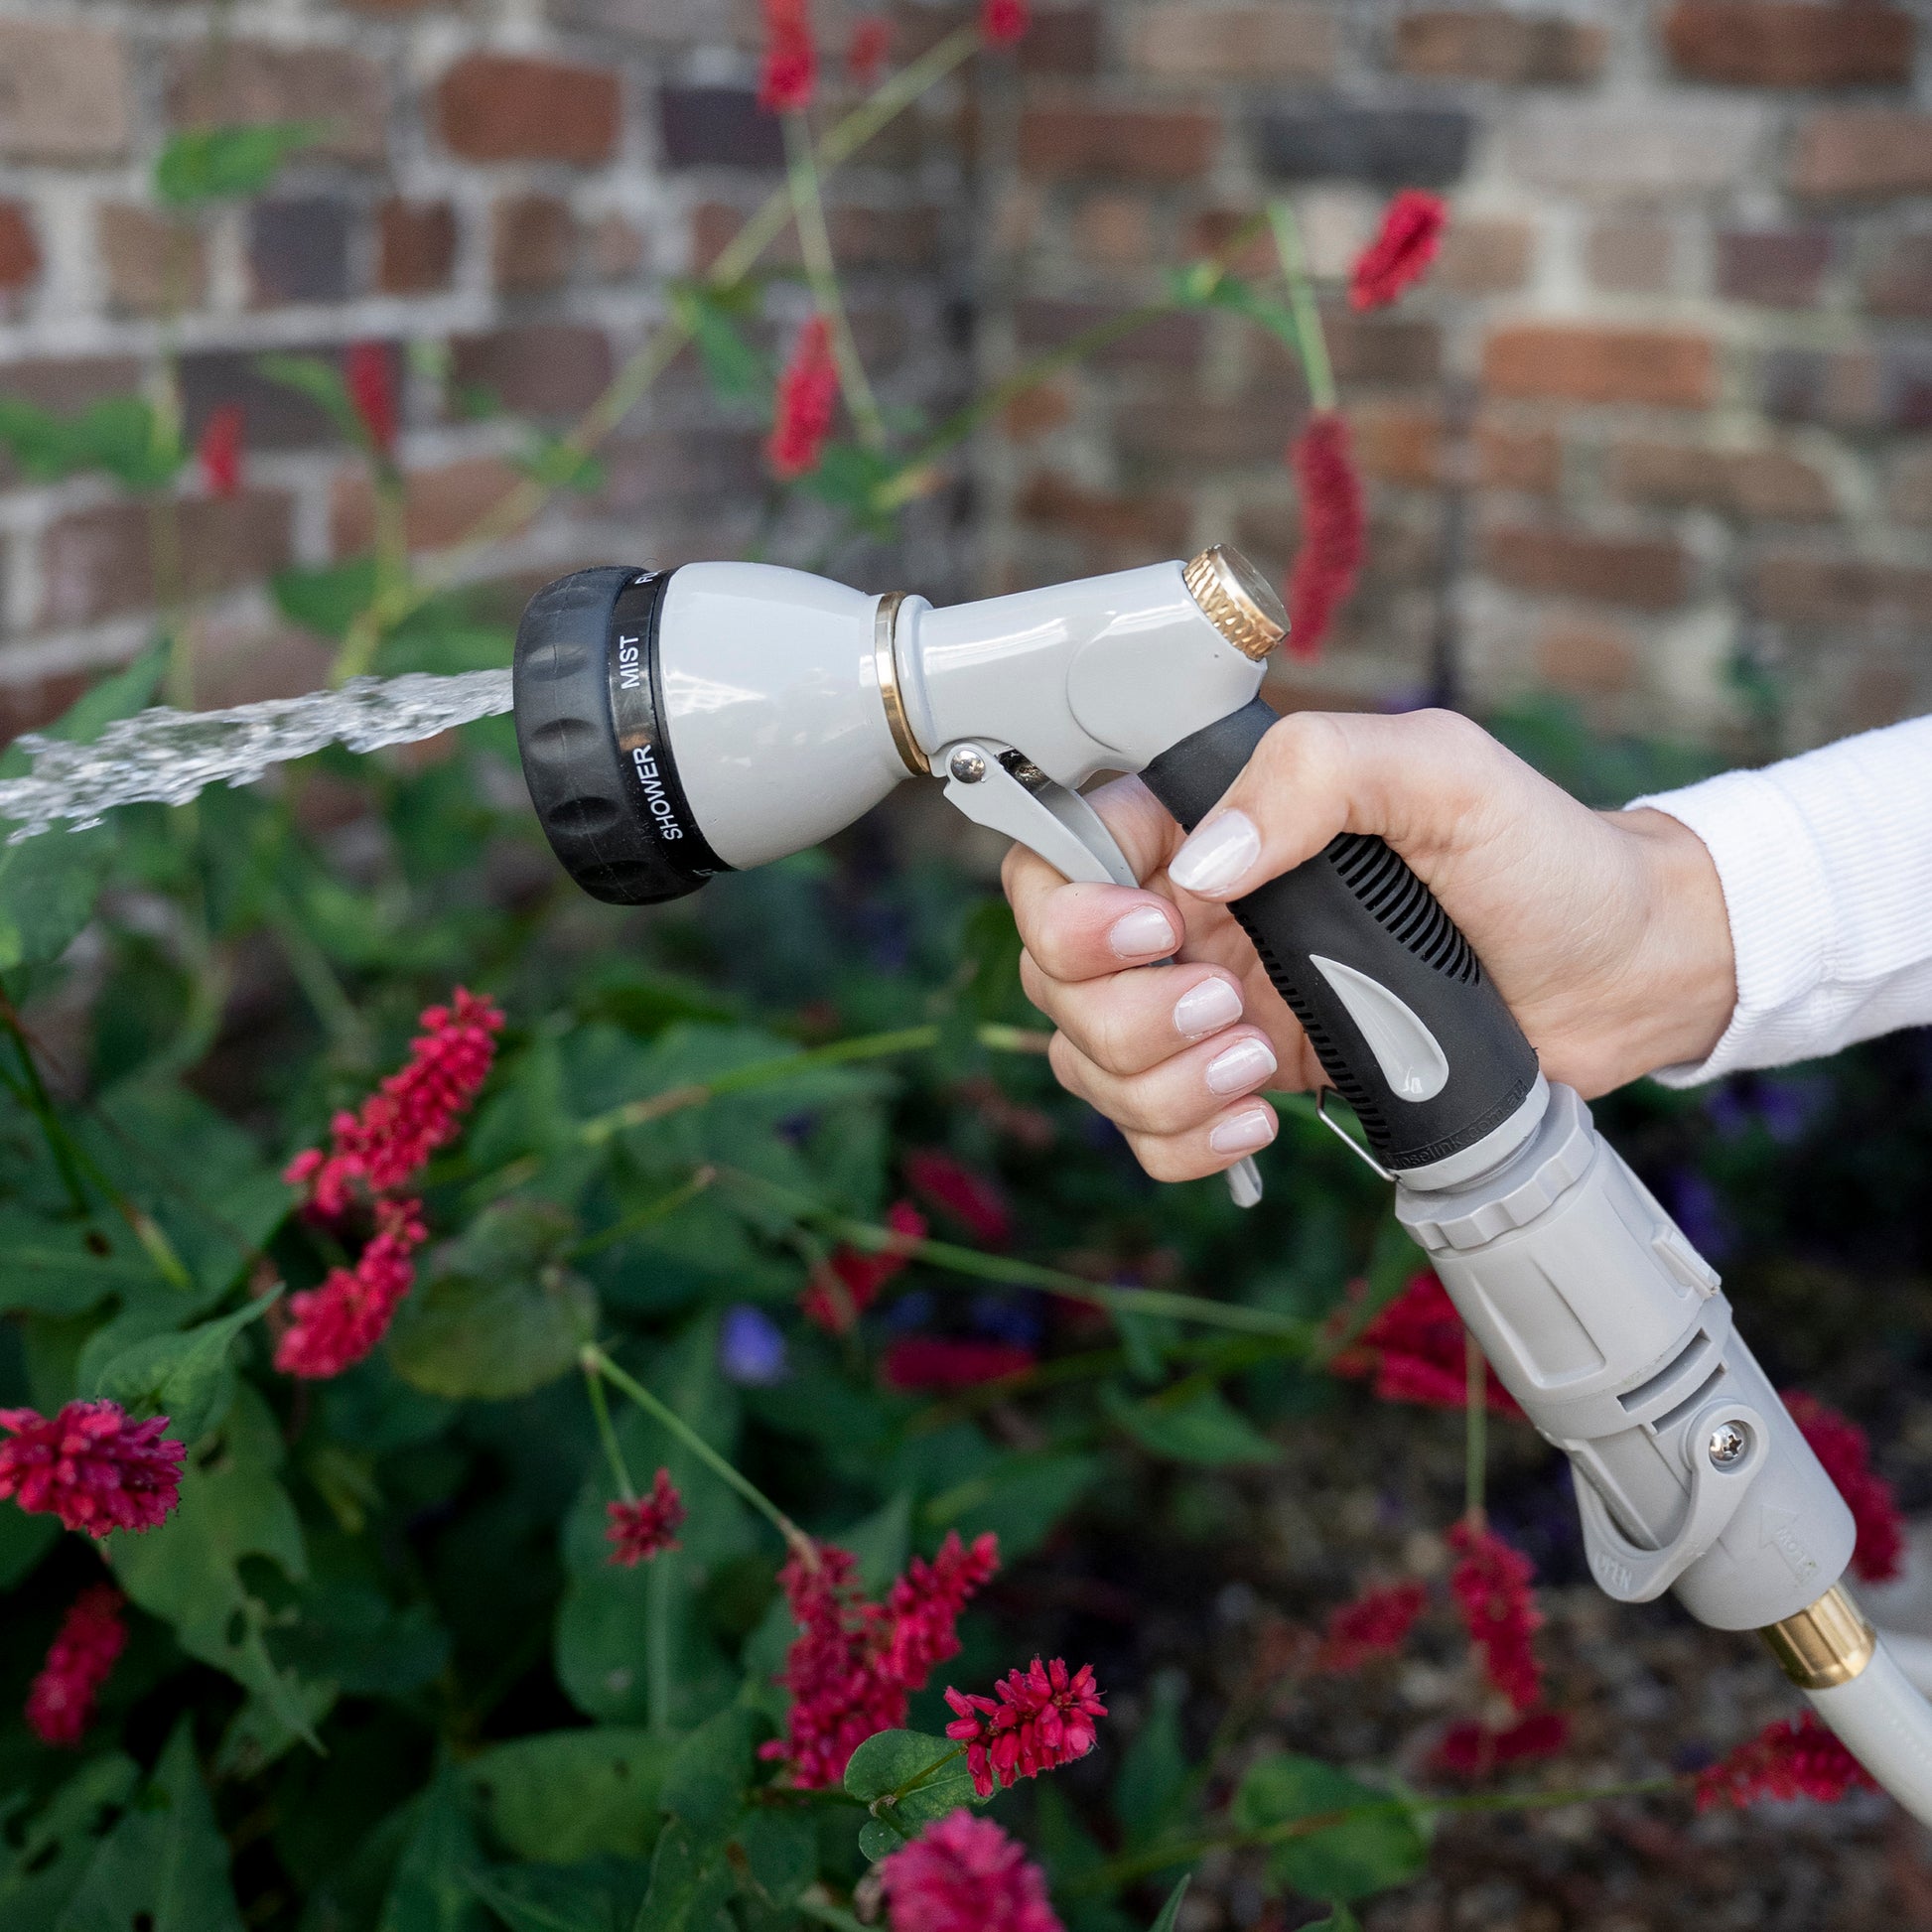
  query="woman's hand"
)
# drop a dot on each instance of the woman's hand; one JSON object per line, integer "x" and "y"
{"x": 1604, "y": 932}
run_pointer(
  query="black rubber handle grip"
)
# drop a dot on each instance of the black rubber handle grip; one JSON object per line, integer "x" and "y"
{"x": 1428, "y": 1072}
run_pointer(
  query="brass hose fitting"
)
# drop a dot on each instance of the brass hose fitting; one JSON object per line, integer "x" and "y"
{"x": 1828, "y": 1643}
{"x": 1237, "y": 600}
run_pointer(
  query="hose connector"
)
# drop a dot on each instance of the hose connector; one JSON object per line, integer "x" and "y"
{"x": 1237, "y": 600}
{"x": 1827, "y": 1644}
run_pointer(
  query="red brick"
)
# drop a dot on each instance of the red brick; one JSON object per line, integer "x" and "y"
{"x": 614, "y": 249}
{"x": 862, "y": 237}
{"x": 1901, "y": 283}
{"x": 1791, "y": 588}
{"x": 97, "y": 563}
{"x": 1909, "y": 497}
{"x": 547, "y": 369}
{"x": 415, "y": 246}
{"x": 1381, "y": 349}
{"x": 1771, "y": 485}
{"x": 1154, "y": 524}
{"x": 65, "y": 94}
{"x": 1518, "y": 455}
{"x": 26, "y": 704}
{"x": 1591, "y": 657}
{"x": 154, "y": 264}
{"x": 1397, "y": 443}
{"x": 699, "y": 470}
{"x": 1782, "y": 268}
{"x": 1212, "y": 232}
{"x": 1034, "y": 412}
{"x": 1114, "y": 230}
{"x": 1067, "y": 136}
{"x": 1630, "y": 257}
{"x": 440, "y": 506}
{"x": 1773, "y": 43}
{"x": 1169, "y": 342}
{"x": 1485, "y": 257}
{"x": 517, "y": 107}
{"x": 1281, "y": 40}
{"x": 1210, "y": 432}
{"x": 1583, "y": 363}
{"x": 343, "y": 92}
{"x": 1060, "y": 39}
{"x": 20, "y": 249}
{"x": 1646, "y": 573}
{"x": 532, "y": 238}
{"x": 1843, "y": 387}
{"x": 1863, "y": 152}
{"x": 1659, "y": 146}
{"x": 1463, "y": 44}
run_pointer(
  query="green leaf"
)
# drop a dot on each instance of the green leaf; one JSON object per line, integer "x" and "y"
{"x": 908, "y": 1777}
{"x": 185, "y": 1377}
{"x": 688, "y": 1889}
{"x": 326, "y": 598}
{"x": 558, "y": 464}
{"x": 1021, "y": 1498}
{"x": 126, "y": 435}
{"x": 562, "y": 1795}
{"x": 261, "y": 1733}
{"x": 350, "y": 1633}
{"x": 1205, "y": 1429}
{"x": 1345, "y": 1861}
{"x": 1341, "y": 1919}
{"x": 164, "y": 1867}
{"x": 733, "y": 367}
{"x": 53, "y": 1270}
{"x": 321, "y": 383}
{"x": 24, "y": 1541}
{"x": 1171, "y": 1911}
{"x": 500, "y": 1315}
{"x": 780, "y": 1848}
{"x": 879, "y": 1840}
{"x": 597, "y": 1895}
{"x": 206, "y": 164}
{"x": 1154, "y": 1775}
{"x": 39, "y": 1876}
{"x": 849, "y": 477}
{"x": 706, "y": 1780}
{"x": 433, "y": 1888}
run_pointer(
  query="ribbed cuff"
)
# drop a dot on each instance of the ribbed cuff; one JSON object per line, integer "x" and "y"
{"x": 1777, "y": 899}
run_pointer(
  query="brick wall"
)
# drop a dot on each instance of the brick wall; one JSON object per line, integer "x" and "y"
{"x": 1678, "y": 352}
{"x": 501, "y": 191}
{"x": 1666, "y": 409}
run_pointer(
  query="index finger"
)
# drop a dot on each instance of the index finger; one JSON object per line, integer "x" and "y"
{"x": 1080, "y": 932}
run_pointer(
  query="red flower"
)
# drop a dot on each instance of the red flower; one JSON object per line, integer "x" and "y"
{"x": 1400, "y": 255}
{"x": 946, "y": 1362}
{"x": 1417, "y": 1349}
{"x": 1472, "y": 1750}
{"x": 1846, "y": 1451}
{"x": 61, "y": 1700}
{"x": 1044, "y": 1719}
{"x": 332, "y": 1327}
{"x": 964, "y": 1874}
{"x": 845, "y": 1286}
{"x": 91, "y": 1466}
{"x": 1491, "y": 1588}
{"x": 1002, "y": 22}
{"x": 1376, "y": 1624}
{"x": 412, "y": 1113}
{"x": 975, "y": 1200}
{"x": 368, "y": 377}
{"x": 866, "y": 51}
{"x": 1333, "y": 530}
{"x": 220, "y": 451}
{"x": 790, "y": 70}
{"x": 638, "y": 1530}
{"x": 853, "y": 1664}
{"x": 1793, "y": 1758}
{"x": 809, "y": 390}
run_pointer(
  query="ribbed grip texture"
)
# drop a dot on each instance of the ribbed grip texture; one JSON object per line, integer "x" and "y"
{"x": 1356, "y": 904}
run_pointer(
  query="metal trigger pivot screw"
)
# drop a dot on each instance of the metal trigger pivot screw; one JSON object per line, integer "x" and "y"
{"x": 967, "y": 764}
{"x": 1729, "y": 1440}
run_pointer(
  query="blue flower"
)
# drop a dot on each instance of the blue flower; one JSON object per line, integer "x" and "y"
{"x": 750, "y": 1349}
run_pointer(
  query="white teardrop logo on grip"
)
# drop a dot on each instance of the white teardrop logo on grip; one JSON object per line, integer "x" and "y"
{"x": 1414, "y": 1066}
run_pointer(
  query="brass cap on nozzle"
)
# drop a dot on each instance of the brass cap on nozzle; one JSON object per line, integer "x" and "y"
{"x": 1828, "y": 1643}
{"x": 1237, "y": 600}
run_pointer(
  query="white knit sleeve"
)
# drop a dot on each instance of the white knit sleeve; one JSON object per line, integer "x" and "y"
{"x": 1826, "y": 863}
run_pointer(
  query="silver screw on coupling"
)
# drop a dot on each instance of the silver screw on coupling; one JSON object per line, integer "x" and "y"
{"x": 1729, "y": 1440}
{"x": 967, "y": 763}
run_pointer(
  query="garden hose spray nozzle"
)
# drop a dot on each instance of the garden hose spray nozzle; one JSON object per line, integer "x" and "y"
{"x": 678, "y": 723}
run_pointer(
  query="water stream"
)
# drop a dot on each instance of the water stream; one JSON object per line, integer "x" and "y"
{"x": 165, "y": 757}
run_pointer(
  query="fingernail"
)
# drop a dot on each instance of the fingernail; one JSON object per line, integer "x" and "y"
{"x": 1205, "y": 1009}
{"x": 1217, "y": 857}
{"x": 1241, "y": 1068}
{"x": 1144, "y": 934}
{"x": 1242, "y": 1133}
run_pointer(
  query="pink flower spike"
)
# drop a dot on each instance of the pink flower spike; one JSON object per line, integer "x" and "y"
{"x": 1415, "y": 1349}
{"x": 949, "y": 1362}
{"x": 790, "y": 72}
{"x": 924, "y": 1606}
{"x": 638, "y": 1530}
{"x": 866, "y": 51}
{"x": 1846, "y": 1451}
{"x": 1404, "y": 247}
{"x": 220, "y": 451}
{"x": 1491, "y": 1588}
{"x": 976, "y": 1201}
{"x": 1472, "y": 1750}
{"x": 335, "y": 1325}
{"x": 371, "y": 387}
{"x": 808, "y": 392}
{"x": 963, "y": 1873}
{"x": 1793, "y": 1758}
{"x": 1002, "y": 22}
{"x": 1333, "y": 531}
{"x": 844, "y": 1287}
{"x": 1043, "y": 1719}
{"x": 91, "y": 1466}
{"x": 93, "y": 1634}
{"x": 1376, "y": 1624}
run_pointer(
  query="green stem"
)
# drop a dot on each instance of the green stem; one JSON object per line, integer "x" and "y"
{"x": 815, "y": 246}
{"x": 660, "y": 1605}
{"x": 607, "y": 1436}
{"x": 826, "y": 1913}
{"x": 1476, "y": 1444}
{"x": 1316, "y": 370}
{"x": 59, "y": 1144}
{"x": 316, "y": 979}
{"x": 660, "y": 1210}
{"x": 596, "y": 1363}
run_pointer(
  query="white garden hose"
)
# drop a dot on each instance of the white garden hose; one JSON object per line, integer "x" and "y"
{"x": 1884, "y": 1721}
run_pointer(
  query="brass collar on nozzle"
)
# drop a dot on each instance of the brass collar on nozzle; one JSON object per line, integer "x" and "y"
{"x": 1237, "y": 600}
{"x": 1828, "y": 1643}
